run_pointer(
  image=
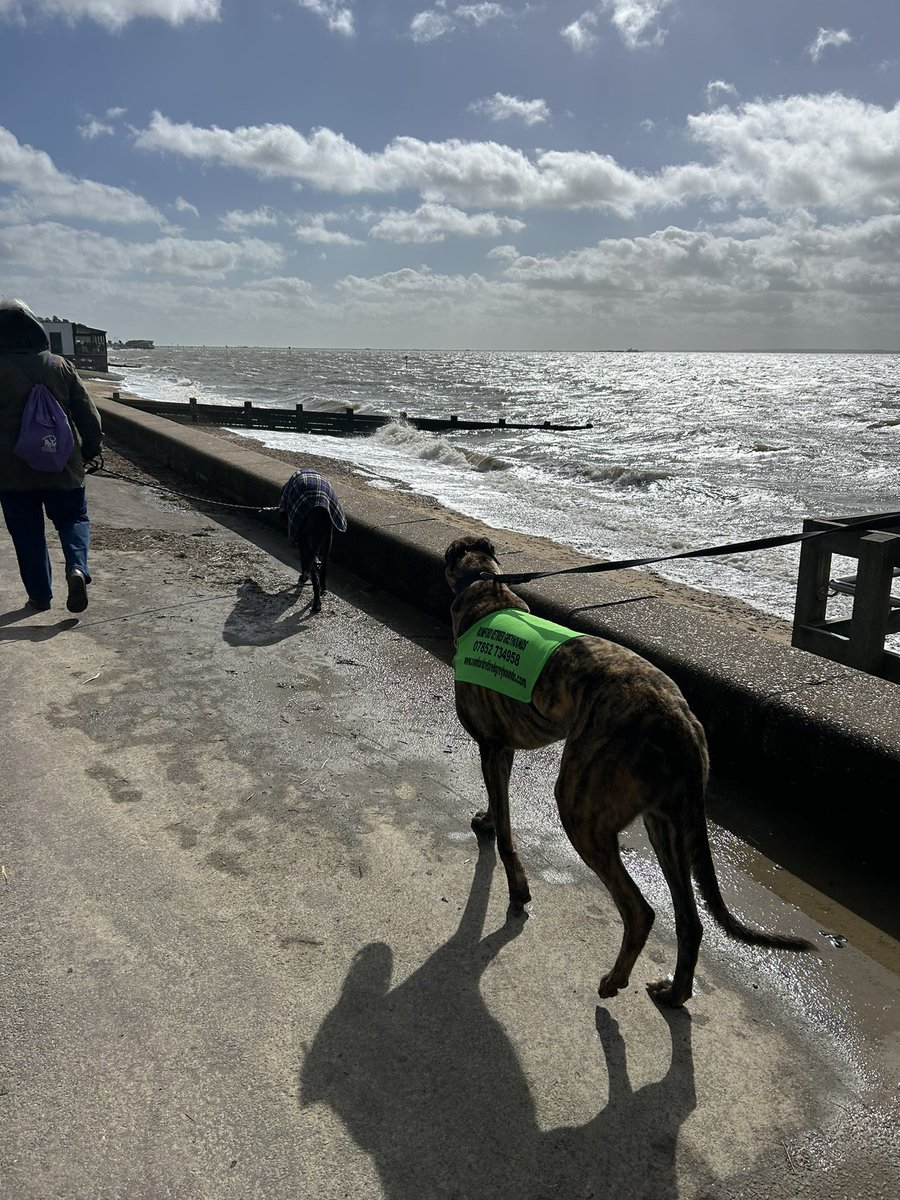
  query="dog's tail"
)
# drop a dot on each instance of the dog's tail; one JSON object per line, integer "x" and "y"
{"x": 707, "y": 881}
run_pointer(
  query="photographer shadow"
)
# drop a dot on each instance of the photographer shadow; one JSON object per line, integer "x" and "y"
{"x": 429, "y": 1085}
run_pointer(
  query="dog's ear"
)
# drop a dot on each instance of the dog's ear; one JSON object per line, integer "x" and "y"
{"x": 453, "y": 552}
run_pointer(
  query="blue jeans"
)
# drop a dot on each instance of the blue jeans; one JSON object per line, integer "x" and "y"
{"x": 24, "y": 516}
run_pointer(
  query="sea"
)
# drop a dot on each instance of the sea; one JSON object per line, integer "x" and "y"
{"x": 684, "y": 450}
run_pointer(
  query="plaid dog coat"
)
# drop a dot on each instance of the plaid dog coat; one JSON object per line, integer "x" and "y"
{"x": 304, "y": 491}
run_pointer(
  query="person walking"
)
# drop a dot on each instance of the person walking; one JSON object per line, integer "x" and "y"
{"x": 27, "y": 494}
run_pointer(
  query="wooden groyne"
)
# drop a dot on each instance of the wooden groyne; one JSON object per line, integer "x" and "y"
{"x": 346, "y": 423}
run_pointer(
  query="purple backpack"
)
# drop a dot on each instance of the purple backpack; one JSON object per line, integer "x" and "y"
{"x": 45, "y": 436}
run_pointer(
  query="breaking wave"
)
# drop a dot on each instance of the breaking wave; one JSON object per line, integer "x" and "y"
{"x": 415, "y": 443}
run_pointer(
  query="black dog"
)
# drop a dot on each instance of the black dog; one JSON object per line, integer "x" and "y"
{"x": 313, "y": 512}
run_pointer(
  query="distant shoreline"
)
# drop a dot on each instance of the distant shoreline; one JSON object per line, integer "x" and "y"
{"x": 497, "y": 350}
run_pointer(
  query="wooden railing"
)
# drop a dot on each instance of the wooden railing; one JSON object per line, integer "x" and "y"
{"x": 857, "y": 640}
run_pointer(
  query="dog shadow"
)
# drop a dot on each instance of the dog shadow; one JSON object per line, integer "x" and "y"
{"x": 429, "y": 1085}
{"x": 261, "y": 618}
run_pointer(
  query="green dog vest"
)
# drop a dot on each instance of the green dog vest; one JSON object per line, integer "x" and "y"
{"x": 507, "y": 651}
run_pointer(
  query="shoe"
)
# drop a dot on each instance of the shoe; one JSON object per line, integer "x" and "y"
{"x": 77, "y": 601}
{"x": 37, "y": 605}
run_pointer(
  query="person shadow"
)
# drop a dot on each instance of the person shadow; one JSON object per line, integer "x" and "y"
{"x": 429, "y": 1085}
{"x": 33, "y": 632}
{"x": 260, "y": 618}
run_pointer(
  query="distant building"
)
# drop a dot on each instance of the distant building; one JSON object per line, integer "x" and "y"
{"x": 84, "y": 347}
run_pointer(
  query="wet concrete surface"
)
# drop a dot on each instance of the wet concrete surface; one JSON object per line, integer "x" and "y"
{"x": 251, "y": 947}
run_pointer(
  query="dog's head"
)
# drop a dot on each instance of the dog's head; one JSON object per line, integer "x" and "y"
{"x": 466, "y": 558}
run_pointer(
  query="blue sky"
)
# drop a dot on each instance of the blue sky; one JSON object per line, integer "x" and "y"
{"x": 666, "y": 174}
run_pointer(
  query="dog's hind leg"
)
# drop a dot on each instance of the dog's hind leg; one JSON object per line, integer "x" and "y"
{"x": 318, "y": 541}
{"x": 594, "y": 806}
{"x": 324, "y": 552}
{"x": 496, "y": 766}
{"x": 670, "y": 843}
{"x": 603, "y": 857}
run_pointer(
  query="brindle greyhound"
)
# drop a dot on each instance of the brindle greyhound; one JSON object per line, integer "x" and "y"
{"x": 632, "y": 748}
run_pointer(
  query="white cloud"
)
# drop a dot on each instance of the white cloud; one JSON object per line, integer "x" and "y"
{"x": 41, "y": 190}
{"x": 436, "y": 222}
{"x": 115, "y": 113}
{"x": 819, "y": 272}
{"x": 580, "y": 34}
{"x": 114, "y": 14}
{"x": 724, "y": 284}
{"x": 236, "y": 221}
{"x": 212, "y": 259}
{"x": 637, "y": 21}
{"x": 437, "y": 22}
{"x": 419, "y": 286}
{"x": 506, "y": 253}
{"x": 314, "y": 232}
{"x": 501, "y": 107}
{"x": 468, "y": 174}
{"x": 824, "y": 39}
{"x": 87, "y": 255}
{"x": 182, "y": 205}
{"x": 480, "y": 14}
{"x": 93, "y": 129}
{"x": 717, "y": 89}
{"x": 429, "y": 26}
{"x": 339, "y": 17}
{"x": 818, "y": 152}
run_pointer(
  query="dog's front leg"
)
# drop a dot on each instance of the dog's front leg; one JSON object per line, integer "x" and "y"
{"x": 496, "y": 766}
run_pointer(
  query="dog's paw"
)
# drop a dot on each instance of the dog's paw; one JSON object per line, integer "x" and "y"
{"x": 609, "y": 986}
{"x": 483, "y": 824}
{"x": 662, "y": 991}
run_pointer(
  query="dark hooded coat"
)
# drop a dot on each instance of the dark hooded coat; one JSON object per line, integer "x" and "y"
{"x": 25, "y": 360}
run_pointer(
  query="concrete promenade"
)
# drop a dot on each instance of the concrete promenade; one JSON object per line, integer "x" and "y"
{"x": 249, "y": 946}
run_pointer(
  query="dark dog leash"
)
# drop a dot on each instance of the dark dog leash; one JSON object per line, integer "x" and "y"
{"x": 767, "y": 543}
{"x": 95, "y": 466}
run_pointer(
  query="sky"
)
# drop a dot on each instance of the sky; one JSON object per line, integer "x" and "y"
{"x": 550, "y": 175}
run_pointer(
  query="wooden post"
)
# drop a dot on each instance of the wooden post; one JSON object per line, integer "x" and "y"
{"x": 502, "y": 422}
{"x": 812, "y": 584}
{"x": 871, "y": 601}
{"x": 192, "y": 401}
{"x": 349, "y": 411}
{"x": 298, "y": 416}
{"x": 117, "y": 396}
{"x": 248, "y": 412}
{"x": 453, "y": 418}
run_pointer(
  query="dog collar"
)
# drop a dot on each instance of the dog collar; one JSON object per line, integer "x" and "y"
{"x": 467, "y": 580}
